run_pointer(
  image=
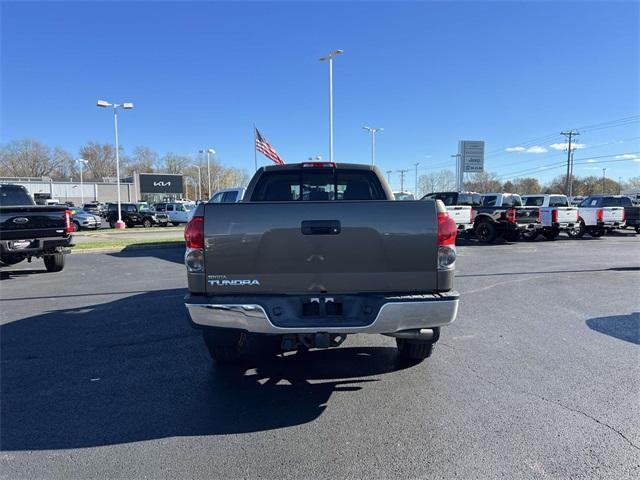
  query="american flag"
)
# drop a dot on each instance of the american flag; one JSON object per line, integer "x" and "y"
{"x": 267, "y": 150}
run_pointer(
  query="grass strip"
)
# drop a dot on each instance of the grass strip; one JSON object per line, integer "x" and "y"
{"x": 128, "y": 243}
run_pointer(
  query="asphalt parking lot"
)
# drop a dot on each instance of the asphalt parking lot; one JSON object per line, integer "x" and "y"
{"x": 539, "y": 377}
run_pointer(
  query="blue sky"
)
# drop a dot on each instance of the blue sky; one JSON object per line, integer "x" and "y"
{"x": 430, "y": 73}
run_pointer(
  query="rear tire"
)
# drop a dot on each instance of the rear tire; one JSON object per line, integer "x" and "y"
{"x": 76, "y": 227}
{"x": 54, "y": 262}
{"x": 146, "y": 223}
{"x": 531, "y": 236}
{"x": 579, "y": 231}
{"x": 414, "y": 350}
{"x": 637, "y": 229}
{"x": 112, "y": 223}
{"x": 225, "y": 345}
{"x": 596, "y": 232}
{"x": 485, "y": 232}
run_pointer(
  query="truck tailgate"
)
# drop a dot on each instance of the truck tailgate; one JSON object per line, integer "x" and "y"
{"x": 612, "y": 214}
{"x": 24, "y": 222}
{"x": 320, "y": 247}
{"x": 526, "y": 215}
{"x": 565, "y": 215}
{"x": 461, "y": 214}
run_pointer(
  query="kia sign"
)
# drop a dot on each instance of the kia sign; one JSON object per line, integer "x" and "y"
{"x": 160, "y": 183}
{"x": 472, "y": 155}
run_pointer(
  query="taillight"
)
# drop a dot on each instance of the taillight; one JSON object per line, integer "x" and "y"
{"x": 194, "y": 233}
{"x": 624, "y": 214}
{"x": 511, "y": 215}
{"x": 447, "y": 229}
{"x": 554, "y": 216}
{"x": 600, "y": 215}
{"x": 68, "y": 224}
{"x": 473, "y": 215}
{"x": 540, "y": 215}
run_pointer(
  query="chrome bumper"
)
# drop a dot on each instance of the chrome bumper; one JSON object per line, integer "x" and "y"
{"x": 392, "y": 317}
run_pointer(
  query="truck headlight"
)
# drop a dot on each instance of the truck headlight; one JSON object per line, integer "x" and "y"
{"x": 446, "y": 257}
{"x": 194, "y": 260}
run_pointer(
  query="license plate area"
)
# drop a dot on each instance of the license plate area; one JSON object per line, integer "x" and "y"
{"x": 19, "y": 244}
{"x": 322, "y": 307}
{"x": 327, "y": 311}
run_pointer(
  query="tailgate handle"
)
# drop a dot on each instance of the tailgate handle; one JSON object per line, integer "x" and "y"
{"x": 320, "y": 227}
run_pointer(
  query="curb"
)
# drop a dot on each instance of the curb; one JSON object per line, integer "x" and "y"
{"x": 120, "y": 249}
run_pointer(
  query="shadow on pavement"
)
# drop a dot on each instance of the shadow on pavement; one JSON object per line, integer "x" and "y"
{"x": 622, "y": 327}
{"x": 11, "y": 274}
{"x": 133, "y": 369}
{"x": 170, "y": 253}
{"x": 588, "y": 270}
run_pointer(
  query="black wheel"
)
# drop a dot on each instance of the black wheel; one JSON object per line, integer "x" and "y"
{"x": 76, "y": 226}
{"x": 175, "y": 224}
{"x": 637, "y": 229}
{"x": 531, "y": 235}
{"x": 54, "y": 262}
{"x": 485, "y": 232}
{"x": 225, "y": 345}
{"x": 578, "y": 231}
{"x": 414, "y": 350}
{"x": 112, "y": 223}
{"x": 551, "y": 234}
{"x": 596, "y": 232}
{"x": 512, "y": 236}
{"x": 146, "y": 223}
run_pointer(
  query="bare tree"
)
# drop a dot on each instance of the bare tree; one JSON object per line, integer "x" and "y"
{"x": 27, "y": 158}
{"x": 442, "y": 181}
{"x": 66, "y": 166}
{"x": 101, "y": 160}
{"x": 174, "y": 163}
{"x": 483, "y": 182}
{"x": 144, "y": 160}
{"x": 527, "y": 185}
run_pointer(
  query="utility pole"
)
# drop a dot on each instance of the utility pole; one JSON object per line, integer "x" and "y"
{"x": 458, "y": 182}
{"x": 415, "y": 192}
{"x": 604, "y": 170}
{"x": 567, "y": 184}
{"x": 402, "y": 174}
{"x": 570, "y": 191}
{"x": 619, "y": 185}
{"x": 389, "y": 176}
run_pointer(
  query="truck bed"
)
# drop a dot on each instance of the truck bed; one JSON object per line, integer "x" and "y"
{"x": 294, "y": 248}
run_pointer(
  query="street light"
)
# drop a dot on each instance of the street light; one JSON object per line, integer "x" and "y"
{"x": 416, "y": 190}
{"x": 199, "y": 183}
{"x": 604, "y": 171}
{"x": 127, "y": 106}
{"x": 82, "y": 162}
{"x": 330, "y": 58}
{"x": 457, "y": 157}
{"x": 373, "y": 131}
{"x": 208, "y": 151}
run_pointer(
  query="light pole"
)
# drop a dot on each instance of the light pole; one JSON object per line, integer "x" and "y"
{"x": 210, "y": 151}
{"x": 389, "y": 177}
{"x": 604, "y": 170}
{"x": 330, "y": 58}
{"x": 457, "y": 157}
{"x": 199, "y": 183}
{"x": 416, "y": 190}
{"x": 127, "y": 106}
{"x": 82, "y": 162}
{"x": 373, "y": 131}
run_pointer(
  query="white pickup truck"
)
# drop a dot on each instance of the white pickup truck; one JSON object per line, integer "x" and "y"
{"x": 556, "y": 215}
{"x": 459, "y": 206}
{"x": 599, "y": 213}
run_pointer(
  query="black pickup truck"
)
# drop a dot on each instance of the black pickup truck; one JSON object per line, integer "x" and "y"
{"x": 503, "y": 215}
{"x": 28, "y": 230}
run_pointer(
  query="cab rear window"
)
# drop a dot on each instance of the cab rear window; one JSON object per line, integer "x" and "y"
{"x": 316, "y": 185}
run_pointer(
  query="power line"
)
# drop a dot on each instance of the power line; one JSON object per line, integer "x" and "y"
{"x": 402, "y": 174}
{"x": 568, "y": 184}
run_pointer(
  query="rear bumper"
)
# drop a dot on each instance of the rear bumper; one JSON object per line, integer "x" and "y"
{"x": 395, "y": 315}
{"x": 610, "y": 224}
{"x": 464, "y": 227}
{"x": 37, "y": 245}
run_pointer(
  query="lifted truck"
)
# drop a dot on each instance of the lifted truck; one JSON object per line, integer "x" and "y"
{"x": 599, "y": 213}
{"x": 31, "y": 231}
{"x": 315, "y": 252}
{"x": 503, "y": 215}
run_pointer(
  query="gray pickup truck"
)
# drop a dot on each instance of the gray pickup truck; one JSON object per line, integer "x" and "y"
{"x": 314, "y": 252}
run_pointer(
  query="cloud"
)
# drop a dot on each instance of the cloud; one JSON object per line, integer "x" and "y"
{"x": 537, "y": 149}
{"x": 564, "y": 146}
{"x": 534, "y": 149}
{"x": 628, "y": 156}
{"x": 591, "y": 161}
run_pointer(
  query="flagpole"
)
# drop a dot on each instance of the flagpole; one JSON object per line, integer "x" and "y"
{"x": 255, "y": 150}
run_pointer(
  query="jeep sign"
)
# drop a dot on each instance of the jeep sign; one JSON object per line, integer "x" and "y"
{"x": 160, "y": 183}
{"x": 472, "y": 155}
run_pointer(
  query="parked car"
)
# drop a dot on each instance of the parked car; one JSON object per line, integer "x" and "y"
{"x": 460, "y": 207}
{"x": 176, "y": 212}
{"x": 84, "y": 220}
{"x": 28, "y": 230}
{"x": 132, "y": 217}
{"x": 229, "y": 195}
{"x": 599, "y": 213}
{"x": 296, "y": 261}
{"x": 403, "y": 196}
{"x": 503, "y": 215}
{"x": 555, "y": 215}
{"x": 631, "y": 213}
{"x": 96, "y": 208}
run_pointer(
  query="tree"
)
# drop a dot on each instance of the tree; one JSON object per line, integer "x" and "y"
{"x": 508, "y": 187}
{"x": 442, "y": 181}
{"x": 527, "y": 185}
{"x": 27, "y": 158}
{"x": 66, "y": 166}
{"x": 483, "y": 182}
{"x": 632, "y": 183}
{"x": 101, "y": 160}
{"x": 144, "y": 160}
{"x": 174, "y": 163}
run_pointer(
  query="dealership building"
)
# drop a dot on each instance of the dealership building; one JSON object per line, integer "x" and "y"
{"x": 146, "y": 187}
